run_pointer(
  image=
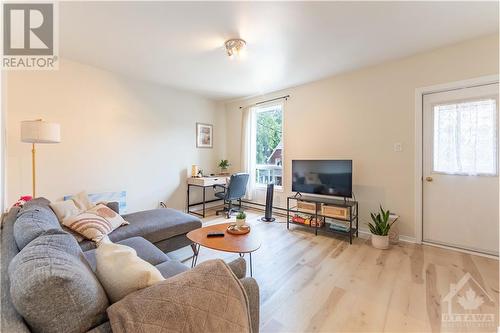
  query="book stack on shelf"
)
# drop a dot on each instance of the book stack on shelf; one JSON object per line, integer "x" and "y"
{"x": 337, "y": 225}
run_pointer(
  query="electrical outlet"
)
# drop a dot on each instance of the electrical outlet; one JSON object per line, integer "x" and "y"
{"x": 398, "y": 147}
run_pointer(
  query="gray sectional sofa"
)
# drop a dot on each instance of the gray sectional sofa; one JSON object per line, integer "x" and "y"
{"x": 48, "y": 280}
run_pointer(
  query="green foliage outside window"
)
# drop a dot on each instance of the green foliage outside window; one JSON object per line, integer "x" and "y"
{"x": 268, "y": 133}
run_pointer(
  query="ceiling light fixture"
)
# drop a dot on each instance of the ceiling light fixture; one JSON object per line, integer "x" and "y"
{"x": 234, "y": 46}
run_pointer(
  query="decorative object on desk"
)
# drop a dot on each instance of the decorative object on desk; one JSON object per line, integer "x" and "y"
{"x": 39, "y": 131}
{"x": 194, "y": 170}
{"x": 204, "y": 135}
{"x": 380, "y": 229}
{"x": 241, "y": 219}
{"x": 394, "y": 232}
{"x": 224, "y": 165}
{"x": 238, "y": 230}
{"x": 200, "y": 173}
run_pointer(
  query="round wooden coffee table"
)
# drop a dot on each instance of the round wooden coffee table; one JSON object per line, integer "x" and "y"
{"x": 241, "y": 244}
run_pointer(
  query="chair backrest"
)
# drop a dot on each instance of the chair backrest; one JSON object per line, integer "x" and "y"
{"x": 237, "y": 186}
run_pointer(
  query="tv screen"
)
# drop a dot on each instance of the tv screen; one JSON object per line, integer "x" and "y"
{"x": 327, "y": 177}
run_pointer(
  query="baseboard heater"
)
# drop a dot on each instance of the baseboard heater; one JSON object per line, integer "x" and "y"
{"x": 263, "y": 205}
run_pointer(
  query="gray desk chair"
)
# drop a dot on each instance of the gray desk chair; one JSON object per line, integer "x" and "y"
{"x": 234, "y": 191}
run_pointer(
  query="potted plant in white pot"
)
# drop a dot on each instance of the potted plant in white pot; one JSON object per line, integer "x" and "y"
{"x": 224, "y": 165}
{"x": 380, "y": 229}
{"x": 241, "y": 219}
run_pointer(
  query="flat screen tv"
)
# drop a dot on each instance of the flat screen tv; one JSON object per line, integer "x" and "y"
{"x": 326, "y": 177}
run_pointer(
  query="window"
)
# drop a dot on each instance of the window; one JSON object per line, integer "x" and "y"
{"x": 269, "y": 144}
{"x": 465, "y": 138}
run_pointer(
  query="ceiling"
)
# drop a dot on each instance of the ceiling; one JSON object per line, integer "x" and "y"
{"x": 180, "y": 44}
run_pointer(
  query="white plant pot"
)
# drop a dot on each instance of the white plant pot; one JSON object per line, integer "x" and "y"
{"x": 380, "y": 242}
{"x": 240, "y": 222}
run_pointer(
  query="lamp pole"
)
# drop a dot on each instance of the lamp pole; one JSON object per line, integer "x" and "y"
{"x": 38, "y": 131}
{"x": 33, "y": 170}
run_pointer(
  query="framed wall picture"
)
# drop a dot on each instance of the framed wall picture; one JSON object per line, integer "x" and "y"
{"x": 204, "y": 135}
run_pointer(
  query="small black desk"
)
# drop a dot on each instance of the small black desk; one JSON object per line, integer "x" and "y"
{"x": 203, "y": 183}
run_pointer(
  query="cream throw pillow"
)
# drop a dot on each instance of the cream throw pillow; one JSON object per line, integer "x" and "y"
{"x": 95, "y": 223}
{"x": 82, "y": 201}
{"x": 64, "y": 209}
{"x": 121, "y": 271}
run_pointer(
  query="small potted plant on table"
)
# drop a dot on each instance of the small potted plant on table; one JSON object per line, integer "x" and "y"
{"x": 380, "y": 229}
{"x": 241, "y": 219}
{"x": 224, "y": 165}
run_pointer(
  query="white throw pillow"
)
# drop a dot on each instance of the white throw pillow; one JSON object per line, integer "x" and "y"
{"x": 95, "y": 223}
{"x": 82, "y": 201}
{"x": 64, "y": 209}
{"x": 121, "y": 271}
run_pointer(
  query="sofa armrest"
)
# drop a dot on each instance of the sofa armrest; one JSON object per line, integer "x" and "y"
{"x": 252, "y": 291}
{"x": 239, "y": 267}
{"x": 210, "y": 281}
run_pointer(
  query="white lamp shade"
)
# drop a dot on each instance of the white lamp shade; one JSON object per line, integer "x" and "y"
{"x": 38, "y": 131}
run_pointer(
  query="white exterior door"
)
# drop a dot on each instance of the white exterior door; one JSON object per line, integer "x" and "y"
{"x": 460, "y": 168}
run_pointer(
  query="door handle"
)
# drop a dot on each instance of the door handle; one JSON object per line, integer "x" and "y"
{"x": 429, "y": 179}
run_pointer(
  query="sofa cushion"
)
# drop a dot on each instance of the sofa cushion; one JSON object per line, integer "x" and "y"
{"x": 11, "y": 320}
{"x": 34, "y": 219}
{"x": 145, "y": 250}
{"x": 36, "y": 203}
{"x": 53, "y": 287}
{"x": 171, "y": 268}
{"x": 95, "y": 223}
{"x": 64, "y": 209}
{"x": 156, "y": 225}
{"x": 122, "y": 272}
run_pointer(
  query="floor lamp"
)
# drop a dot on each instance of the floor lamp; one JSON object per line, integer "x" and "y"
{"x": 39, "y": 131}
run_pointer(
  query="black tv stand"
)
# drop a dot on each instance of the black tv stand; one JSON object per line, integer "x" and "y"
{"x": 319, "y": 203}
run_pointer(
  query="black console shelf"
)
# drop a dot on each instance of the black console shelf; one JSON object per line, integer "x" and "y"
{"x": 318, "y": 202}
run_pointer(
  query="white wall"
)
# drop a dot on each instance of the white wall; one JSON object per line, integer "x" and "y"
{"x": 117, "y": 134}
{"x": 361, "y": 114}
{"x": 2, "y": 141}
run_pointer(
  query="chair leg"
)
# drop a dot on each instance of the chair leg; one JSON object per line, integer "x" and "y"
{"x": 221, "y": 210}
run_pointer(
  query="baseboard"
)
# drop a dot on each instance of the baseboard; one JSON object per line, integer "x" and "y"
{"x": 486, "y": 255}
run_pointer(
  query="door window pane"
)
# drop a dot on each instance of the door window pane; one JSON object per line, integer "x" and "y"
{"x": 465, "y": 138}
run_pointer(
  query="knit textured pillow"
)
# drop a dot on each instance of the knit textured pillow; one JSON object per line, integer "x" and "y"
{"x": 95, "y": 223}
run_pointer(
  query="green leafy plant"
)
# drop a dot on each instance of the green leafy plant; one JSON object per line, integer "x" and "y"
{"x": 380, "y": 225}
{"x": 241, "y": 215}
{"x": 224, "y": 164}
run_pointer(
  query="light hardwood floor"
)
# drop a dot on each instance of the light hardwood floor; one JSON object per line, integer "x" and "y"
{"x": 322, "y": 284}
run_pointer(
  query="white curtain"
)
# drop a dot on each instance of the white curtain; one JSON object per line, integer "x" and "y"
{"x": 248, "y": 150}
{"x": 465, "y": 138}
